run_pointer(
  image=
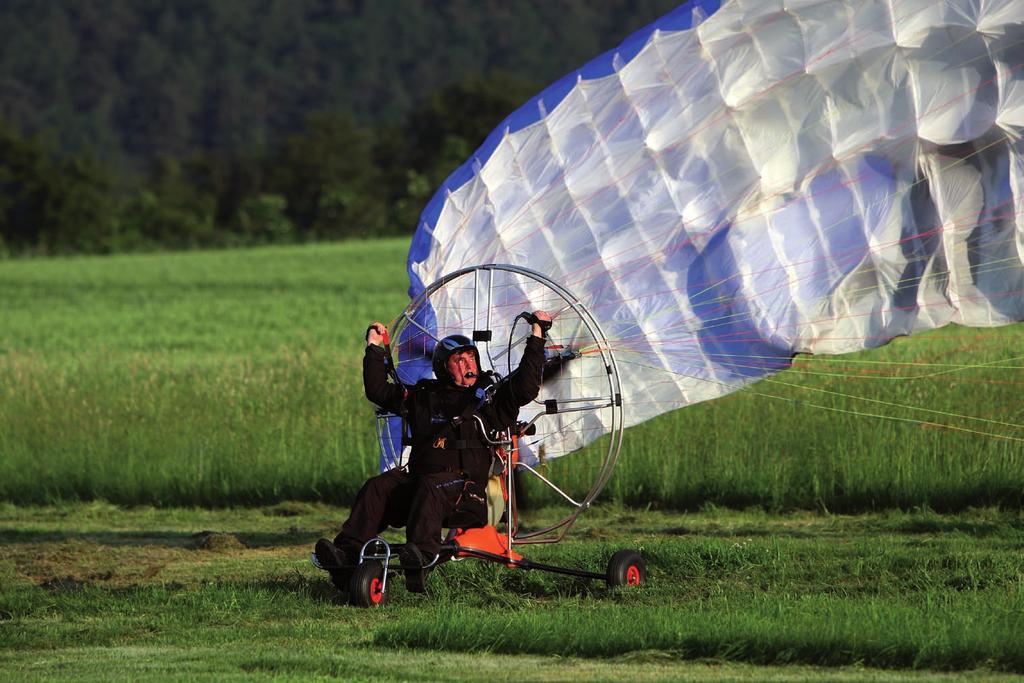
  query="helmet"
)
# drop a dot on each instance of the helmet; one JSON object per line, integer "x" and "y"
{"x": 444, "y": 349}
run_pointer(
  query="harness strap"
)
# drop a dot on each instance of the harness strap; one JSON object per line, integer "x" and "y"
{"x": 463, "y": 420}
{"x": 456, "y": 424}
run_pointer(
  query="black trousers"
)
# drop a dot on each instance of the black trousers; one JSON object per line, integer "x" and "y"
{"x": 423, "y": 503}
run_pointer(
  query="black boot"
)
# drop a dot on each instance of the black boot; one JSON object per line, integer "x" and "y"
{"x": 412, "y": 566}
{"x": 339, "y": 562}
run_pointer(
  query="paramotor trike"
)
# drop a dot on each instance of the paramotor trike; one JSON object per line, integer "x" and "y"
{"x": 580, "y": 403}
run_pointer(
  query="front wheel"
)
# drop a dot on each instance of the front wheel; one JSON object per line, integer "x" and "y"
{"x": 626, "y": 568}
{"x": 367, "y": 585}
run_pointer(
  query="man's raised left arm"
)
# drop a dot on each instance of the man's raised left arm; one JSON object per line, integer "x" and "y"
{"x": 524, "y": 384}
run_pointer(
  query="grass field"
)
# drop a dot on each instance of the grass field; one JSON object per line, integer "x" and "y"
{"x": 233, "y": 377}
{"x": 97, "y": 592}
{"x": 211, "y": 378}
{"x": 134, "y": 388}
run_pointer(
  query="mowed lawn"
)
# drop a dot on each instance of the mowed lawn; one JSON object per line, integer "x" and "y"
{"x": 233, "y": 377}
{"x": 96, "y": 592}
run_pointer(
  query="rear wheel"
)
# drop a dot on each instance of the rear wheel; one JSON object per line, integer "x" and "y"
{"x": 626, "y": 568}
{"x": 367, "y": 586}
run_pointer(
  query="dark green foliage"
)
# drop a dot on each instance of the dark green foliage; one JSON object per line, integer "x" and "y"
{"x": 329, "y": 178}
{"x": 172, "y": 213}
{"x": 51, "y": 205}
{"x": 136, "y": 79}
{"x": 194, "y": 124}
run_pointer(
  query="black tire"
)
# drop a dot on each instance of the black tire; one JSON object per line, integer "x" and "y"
{"x": 367, "y": 586}
{"x": 626, "y": 568}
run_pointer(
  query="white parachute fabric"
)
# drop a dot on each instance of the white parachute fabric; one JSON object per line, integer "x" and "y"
{"x": 738, "y": 184}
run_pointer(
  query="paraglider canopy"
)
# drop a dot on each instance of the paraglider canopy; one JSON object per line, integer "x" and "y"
{"x": 740, "y": 183}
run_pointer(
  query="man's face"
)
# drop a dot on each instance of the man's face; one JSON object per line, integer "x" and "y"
{"x": 462, "y": 368}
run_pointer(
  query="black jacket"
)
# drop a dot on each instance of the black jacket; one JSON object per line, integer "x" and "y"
{"x": 431, "y": 405}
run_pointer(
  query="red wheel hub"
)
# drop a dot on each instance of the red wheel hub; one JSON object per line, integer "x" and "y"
{"x": 633, "y": 575}
{"x": 376, "y": 592}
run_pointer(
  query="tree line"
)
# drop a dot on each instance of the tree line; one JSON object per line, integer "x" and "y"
{"x": 335, "y": 178}
{"x": 140, "y": 124}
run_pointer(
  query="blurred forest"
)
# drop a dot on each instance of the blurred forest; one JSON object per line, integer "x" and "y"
{"x": 155, "y": 124}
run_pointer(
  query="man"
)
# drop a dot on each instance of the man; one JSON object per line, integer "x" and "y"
{"x": 445, "y": 482}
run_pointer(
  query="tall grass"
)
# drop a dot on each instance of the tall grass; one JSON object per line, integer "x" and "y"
{"x": 132, "y": 429}
{"x": 933, "y": 420}
{"x": 234, "y": 378}
{"x": 191, "y": 378}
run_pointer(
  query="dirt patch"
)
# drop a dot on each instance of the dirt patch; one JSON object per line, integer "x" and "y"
{"x": 74, "y": 564}
{"x": 64, "y": 583}
{"x": 217, "y": 542}
{"x": 292, "y": 509}
{"x": 66, "y": 565}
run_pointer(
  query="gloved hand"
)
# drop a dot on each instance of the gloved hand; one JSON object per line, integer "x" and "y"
{"x": 540, "y": 320}
{"x": 377, "y": 333}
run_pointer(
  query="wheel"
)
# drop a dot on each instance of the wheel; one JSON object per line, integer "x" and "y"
{"x": 626, "y": 568}
{"x": 367, "y": 586}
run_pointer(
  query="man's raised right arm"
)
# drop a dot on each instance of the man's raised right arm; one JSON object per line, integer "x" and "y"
{"x": 379, "y": 390}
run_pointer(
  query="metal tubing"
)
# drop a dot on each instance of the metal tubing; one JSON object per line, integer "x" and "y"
{"x": 476, "y": 290}
{"x": 530, "y": 564}
{"x": 548, "y": 482}
{"x": 421, "y": 328}
{"x": 386, "y": 557}
{"x": 602, "y": 347}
